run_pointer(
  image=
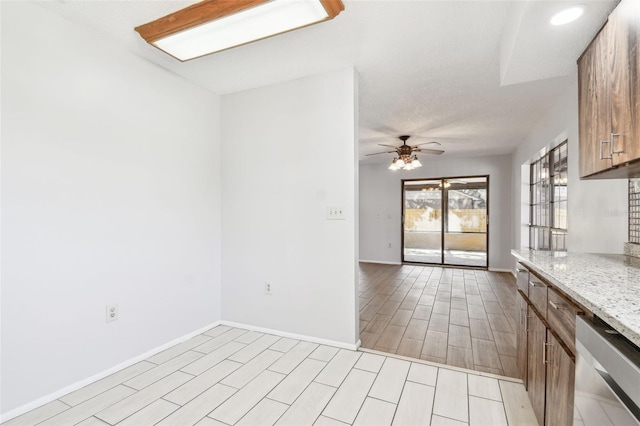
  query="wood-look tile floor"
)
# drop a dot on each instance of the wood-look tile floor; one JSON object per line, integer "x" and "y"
{"x": 460, "y": 317}
{"x": 231, "y": 376}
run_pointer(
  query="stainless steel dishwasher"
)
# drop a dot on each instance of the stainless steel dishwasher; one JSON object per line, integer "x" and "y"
{"x": 607, "y": 389}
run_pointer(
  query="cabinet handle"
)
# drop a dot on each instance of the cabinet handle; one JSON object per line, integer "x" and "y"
{"x": 555, "y": 306}
{"x": 602, "y": 157}
{"x": 544, "y": 352}
{"x": 523, "y": 316}
{"x": 613, "y": 145}
{"x": 524, "y": 319}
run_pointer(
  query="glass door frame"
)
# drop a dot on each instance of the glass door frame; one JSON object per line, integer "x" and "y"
{"x": 444, "y": 199}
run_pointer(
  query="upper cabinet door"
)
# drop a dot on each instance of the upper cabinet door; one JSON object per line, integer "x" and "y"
{"x": 624, "y": 61}
{"x": 594, "y": 105}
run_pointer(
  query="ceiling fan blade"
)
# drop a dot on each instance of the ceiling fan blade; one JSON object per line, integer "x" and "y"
{"x": 427, "y": 143}
{"x": 378, "y": 153}
{"x": 390, "y": 146}
{"x": 378, "y": 139}
{"x": 429, "y": 151}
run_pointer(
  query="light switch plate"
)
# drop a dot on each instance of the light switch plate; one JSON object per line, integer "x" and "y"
{"x": 336, "y": 213}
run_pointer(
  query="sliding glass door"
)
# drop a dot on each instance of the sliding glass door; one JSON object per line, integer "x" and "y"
{"x": 422, "y": 221}
{"x": 444, "y": 221}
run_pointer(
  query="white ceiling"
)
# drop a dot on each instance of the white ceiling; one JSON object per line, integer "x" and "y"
{"x": 474, "y": 75}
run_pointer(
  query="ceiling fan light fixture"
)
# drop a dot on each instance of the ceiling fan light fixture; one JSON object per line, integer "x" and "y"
{"x": 405, "y": 162}
{"x": 214, "y": 25}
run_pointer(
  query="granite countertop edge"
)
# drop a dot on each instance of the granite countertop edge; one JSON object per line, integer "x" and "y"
{"x": 603, "y": 312}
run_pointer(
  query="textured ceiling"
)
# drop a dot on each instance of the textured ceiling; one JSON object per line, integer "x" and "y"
{"x": 474, "y": 75}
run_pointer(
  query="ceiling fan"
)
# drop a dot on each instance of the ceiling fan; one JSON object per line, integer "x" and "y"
{"x": 406, "y": 158}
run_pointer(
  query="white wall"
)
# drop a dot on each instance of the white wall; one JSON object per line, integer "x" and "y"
{"x": 110, "y": 194}
{"x": 597, "y": 216}
{"x": 381, "y": 204}
{"x": 288, "y": 153}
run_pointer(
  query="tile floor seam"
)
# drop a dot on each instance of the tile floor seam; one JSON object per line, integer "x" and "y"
{"x": 162, "y": 419}
{"x": 94, "y": 396}
{"x": 219, "y": 405}
{"x": 468, "y": 401}
{"x": 325, "y": 405}
{"x": 433, "y": 401}
{"x": 504, "y": 407}
{"x": 397, "y": 404}
{"x": 212, "y": 385}
{"x": 365, "y": 397}
{"x": 250, "y": 409}
{"x": 141, "y": 408}
{"x": 105, "y": 390}
{"x": 306, "y": 387}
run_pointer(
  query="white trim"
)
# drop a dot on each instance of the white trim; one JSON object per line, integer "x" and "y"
{"x": 84, "y": 382}
{"x": 350, "y": 346}
{"x": 500, "y": 270}
{"x": 380, "y": 262}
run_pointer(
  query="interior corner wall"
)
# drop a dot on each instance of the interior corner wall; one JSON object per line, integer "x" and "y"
{"x": 288, "y": 153}
{"x": 381, "y": 204}
{"x": 110, "y": 195}
{"x": 597, "y": 209}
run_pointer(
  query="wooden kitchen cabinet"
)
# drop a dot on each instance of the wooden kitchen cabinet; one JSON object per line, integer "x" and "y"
{"x": 561, "y": 316}
{"x": 545, "y": 348}
{"x": 609, "y": 97}
{"x": 594, "y": 107}
{"x": 536, "y": 371}
{"x": 561, "y": 368}
{"x": 521, "y": 338}
{"x": 624, "y": 60}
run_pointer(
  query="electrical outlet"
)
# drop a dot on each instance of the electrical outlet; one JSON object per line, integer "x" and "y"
{"x": 112, "y": 313}
{"x": 267, "y": 289}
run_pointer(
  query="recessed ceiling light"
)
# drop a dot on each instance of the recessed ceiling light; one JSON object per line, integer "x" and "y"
{"x": 567, "y": 15}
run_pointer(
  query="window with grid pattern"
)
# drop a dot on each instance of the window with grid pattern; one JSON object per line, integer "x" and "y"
{"x": 548, "y": 201}
{"x": 634, "y": 211}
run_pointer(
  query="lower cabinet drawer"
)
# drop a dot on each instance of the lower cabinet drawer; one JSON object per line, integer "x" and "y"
{"x": 522, "y": 279}
{"x": 538, "y": 295}
{"x": 561, "y": 316}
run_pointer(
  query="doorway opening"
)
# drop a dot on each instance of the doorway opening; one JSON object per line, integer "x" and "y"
{"x": 445, "y": 221}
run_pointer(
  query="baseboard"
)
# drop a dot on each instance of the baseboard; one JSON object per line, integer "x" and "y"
{"x": 500, "y": 270}
{"x": 380, "y": 262}
{"x": 350, "y": 346}
{"x": 84, "y": 382}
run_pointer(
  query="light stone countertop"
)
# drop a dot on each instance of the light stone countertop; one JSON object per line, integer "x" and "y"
{"x": 607, "y": 284}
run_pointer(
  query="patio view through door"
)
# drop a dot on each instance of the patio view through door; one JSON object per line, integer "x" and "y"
{"x": 445, "y": 221}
